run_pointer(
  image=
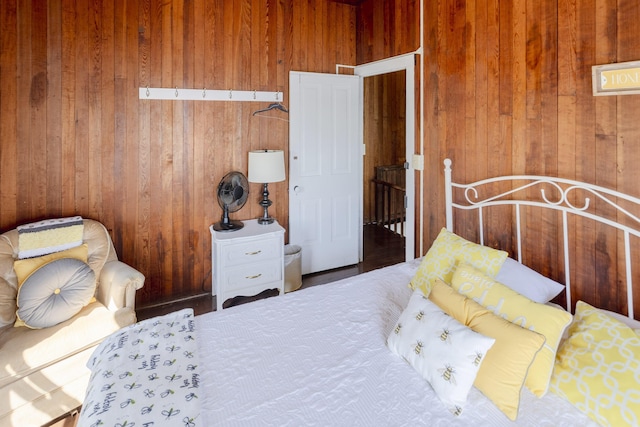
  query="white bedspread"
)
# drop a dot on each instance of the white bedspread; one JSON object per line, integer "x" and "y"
{"x": 318, "y": 356}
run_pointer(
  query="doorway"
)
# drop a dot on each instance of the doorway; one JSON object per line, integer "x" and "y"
{"x": 320, "y": 221}
{"x": 395, "y": 74}
{"x": 384, "y": 173}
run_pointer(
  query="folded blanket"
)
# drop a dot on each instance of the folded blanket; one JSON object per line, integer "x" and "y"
{"x": 48, "y": 236}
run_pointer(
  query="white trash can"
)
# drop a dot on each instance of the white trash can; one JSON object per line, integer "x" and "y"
{"x": 292, "y": 267}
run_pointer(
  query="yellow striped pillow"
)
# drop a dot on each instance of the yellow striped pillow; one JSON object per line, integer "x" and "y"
{"x": 507, "y": 303}
{"x": 48, "y": 236}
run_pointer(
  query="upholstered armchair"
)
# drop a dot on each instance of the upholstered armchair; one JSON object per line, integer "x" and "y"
{"x": 54, "y": 310}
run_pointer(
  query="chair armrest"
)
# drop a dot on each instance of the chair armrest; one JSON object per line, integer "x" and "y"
{"x": 118, "y": 285}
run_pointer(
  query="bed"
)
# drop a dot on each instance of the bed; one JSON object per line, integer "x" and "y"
{"x": 346, "y": 353}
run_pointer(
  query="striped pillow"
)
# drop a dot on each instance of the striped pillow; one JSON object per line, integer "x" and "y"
{"x": 49, "y": 236}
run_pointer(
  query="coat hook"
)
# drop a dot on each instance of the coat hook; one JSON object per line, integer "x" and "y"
{"x": 148, "y": 93}
{"x": 204, "y": 92}
{"x": 254, "y": 94}
{"x": 230, "y": 93}
{"x": 176, "y": 91}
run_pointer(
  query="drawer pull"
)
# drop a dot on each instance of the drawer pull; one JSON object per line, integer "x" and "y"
{"x": 252, "y": 253}
{"x": 253, "y": 277}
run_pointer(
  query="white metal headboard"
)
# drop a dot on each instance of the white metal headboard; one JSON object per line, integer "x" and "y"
{"x": 565, "y": 187}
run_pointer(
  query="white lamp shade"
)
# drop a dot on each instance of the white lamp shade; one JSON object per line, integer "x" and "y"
{"x": 266, "y": 166}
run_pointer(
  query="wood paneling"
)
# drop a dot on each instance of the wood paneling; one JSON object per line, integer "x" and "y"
{"x": 387, "y": 28}
{"x": 75, "y": 138}
{"x": 508, "y": 91}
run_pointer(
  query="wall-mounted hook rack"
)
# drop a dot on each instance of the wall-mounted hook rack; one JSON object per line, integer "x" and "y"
{"x": 204, "y": 94}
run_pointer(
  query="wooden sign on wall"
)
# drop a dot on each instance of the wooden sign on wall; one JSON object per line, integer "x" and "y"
{"x": 622, "y": 78}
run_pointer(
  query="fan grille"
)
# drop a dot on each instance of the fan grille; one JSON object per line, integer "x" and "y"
{"x": 233, "y": 191}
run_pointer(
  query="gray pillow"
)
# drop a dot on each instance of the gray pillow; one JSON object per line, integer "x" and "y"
{"x": 55, "y": 292}
{"x": 528, "y": 282}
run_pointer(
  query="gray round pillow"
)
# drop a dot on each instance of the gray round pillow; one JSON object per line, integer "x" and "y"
{"x": 55, "y": 292}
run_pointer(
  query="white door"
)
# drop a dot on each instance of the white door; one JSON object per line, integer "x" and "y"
{"x": 325, "y": 169}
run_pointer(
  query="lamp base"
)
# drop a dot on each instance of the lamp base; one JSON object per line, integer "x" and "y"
{"x": 265, "y": 203}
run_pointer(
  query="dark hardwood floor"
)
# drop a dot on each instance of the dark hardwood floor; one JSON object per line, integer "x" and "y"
{"x": 381, "y": 248}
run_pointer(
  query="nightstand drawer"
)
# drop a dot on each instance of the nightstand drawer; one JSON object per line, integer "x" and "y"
{"x": 250, "y": 252}
{"x": 252, "y": 274}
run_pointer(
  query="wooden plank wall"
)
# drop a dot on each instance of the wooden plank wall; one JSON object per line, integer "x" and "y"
{"x": 387, "y": 28}
{"x": 508, "y": 91}
{"x": 75, "y": 138}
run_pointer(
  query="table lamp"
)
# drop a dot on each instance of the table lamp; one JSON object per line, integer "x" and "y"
{"x": 266, "y": 166}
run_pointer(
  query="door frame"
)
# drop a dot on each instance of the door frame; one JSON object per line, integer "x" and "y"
{"x": 389, "y": 65}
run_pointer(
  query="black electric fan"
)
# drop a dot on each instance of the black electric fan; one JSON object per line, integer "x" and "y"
{"x": 233, "y": 192}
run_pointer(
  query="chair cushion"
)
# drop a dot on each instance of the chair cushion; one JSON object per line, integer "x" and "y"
{"x": 43, "y": 347}
{"x": 54, "y": 293}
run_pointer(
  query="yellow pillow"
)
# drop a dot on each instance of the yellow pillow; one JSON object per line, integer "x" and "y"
{"x": 503, "y": 372}
{"x": 598, "y": 368}
{"x": 507, "y": 303}
{"x": 24, "y": 267}
{"x": 446, "y": 251}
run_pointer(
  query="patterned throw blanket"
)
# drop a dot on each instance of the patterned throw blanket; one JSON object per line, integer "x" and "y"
{"x": 146, "y": 374}
{"x": 48, "y": 236}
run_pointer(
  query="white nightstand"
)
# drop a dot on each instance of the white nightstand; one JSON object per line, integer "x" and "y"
{"x": 247, "y": 261}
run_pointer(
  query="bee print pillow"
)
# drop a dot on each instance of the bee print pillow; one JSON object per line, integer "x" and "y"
{"x": 146, "y": 374}
{"x": 442, "y": 350}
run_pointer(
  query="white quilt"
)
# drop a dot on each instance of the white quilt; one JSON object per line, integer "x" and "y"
{"x": 318, "y": 357}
